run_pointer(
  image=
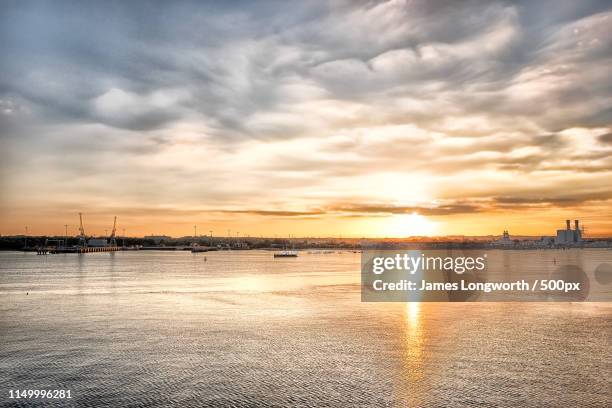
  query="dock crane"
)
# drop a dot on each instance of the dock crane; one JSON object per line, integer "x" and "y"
{"x": 82, "y": 238}
{"x": 113, "y": 240}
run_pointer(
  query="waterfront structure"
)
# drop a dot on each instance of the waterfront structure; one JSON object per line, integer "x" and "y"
{"x": 113, "y": 240}
{"x": 82, "y": 238}
{"x": 505, "y": 239}
{"x": 568, "y": 236}
{"x": 157, "y": 239}
{"x": 55, "y": 246}
{"x": 97, "y": 242}
{"x": 286, "y": 254}
{"x": 546, "y": 241}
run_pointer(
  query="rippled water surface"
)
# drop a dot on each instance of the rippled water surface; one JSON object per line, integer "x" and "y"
{"x": 244, "y": 329}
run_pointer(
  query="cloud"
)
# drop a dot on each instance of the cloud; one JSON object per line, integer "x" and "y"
{"x": 137, "y": 112}
{"x": 435, "y": 210}
{"x": 271, "y": 109}
{"x": 606, "y": 139}
{"x": 273, "y": 213}
{"x": 556, "y": 201}
{"x": 230, "y": 76}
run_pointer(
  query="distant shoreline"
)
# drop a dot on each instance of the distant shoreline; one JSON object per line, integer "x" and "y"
{"x": 212, "y": 243}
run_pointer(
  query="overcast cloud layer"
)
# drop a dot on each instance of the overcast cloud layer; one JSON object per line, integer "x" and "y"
{"x": 307, "y": 111}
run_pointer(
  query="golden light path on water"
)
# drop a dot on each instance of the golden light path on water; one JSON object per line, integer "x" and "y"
{"x": 413, "y": 351}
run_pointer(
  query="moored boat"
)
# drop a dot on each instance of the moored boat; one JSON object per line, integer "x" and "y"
{"x": 286, "y": 254}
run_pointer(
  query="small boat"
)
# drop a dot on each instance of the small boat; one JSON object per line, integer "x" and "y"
{"x": 286, "y": 254}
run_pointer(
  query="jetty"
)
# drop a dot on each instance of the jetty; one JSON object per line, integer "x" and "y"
{"x": 84, "y": 246}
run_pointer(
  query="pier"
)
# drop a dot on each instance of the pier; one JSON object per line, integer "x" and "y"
{"x": 48, "y": 250}
{"x": 85, "y": 246}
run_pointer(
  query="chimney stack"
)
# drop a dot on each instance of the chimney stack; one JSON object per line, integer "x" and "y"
{"x": 567, "y": 225}
{"x": 577, "y": 225}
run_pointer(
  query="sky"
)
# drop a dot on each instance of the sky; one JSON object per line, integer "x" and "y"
{"x": 315, "y": 118}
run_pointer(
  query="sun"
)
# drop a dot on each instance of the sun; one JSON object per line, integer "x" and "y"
{"x": 408, "y": 225}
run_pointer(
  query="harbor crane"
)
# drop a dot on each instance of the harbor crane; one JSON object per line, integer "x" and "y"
{"x": 82, "y": 238}
{"x": 113, "y": 240}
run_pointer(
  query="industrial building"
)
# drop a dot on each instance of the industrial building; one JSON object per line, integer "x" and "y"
{"x": 568, "y": 236}
{"x": 97, "y": 242}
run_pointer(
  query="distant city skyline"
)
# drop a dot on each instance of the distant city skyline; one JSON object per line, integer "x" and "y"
{"x": 360, "y": 119}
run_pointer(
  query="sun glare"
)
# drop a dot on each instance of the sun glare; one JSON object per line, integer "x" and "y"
{"x": 408, "y": 225}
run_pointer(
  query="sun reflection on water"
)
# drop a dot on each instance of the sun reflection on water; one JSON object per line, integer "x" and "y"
{"x": 413, "y": 353}
{"x": 413, "y": 313}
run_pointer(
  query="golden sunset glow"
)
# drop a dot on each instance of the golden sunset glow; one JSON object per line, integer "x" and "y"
{"x": 308, "y": 126}
{"x": 410, "y": 225}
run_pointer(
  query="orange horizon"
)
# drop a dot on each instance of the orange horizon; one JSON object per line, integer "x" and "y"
{"x": 399, "y": 226}
{"x": 310, "y": 127}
